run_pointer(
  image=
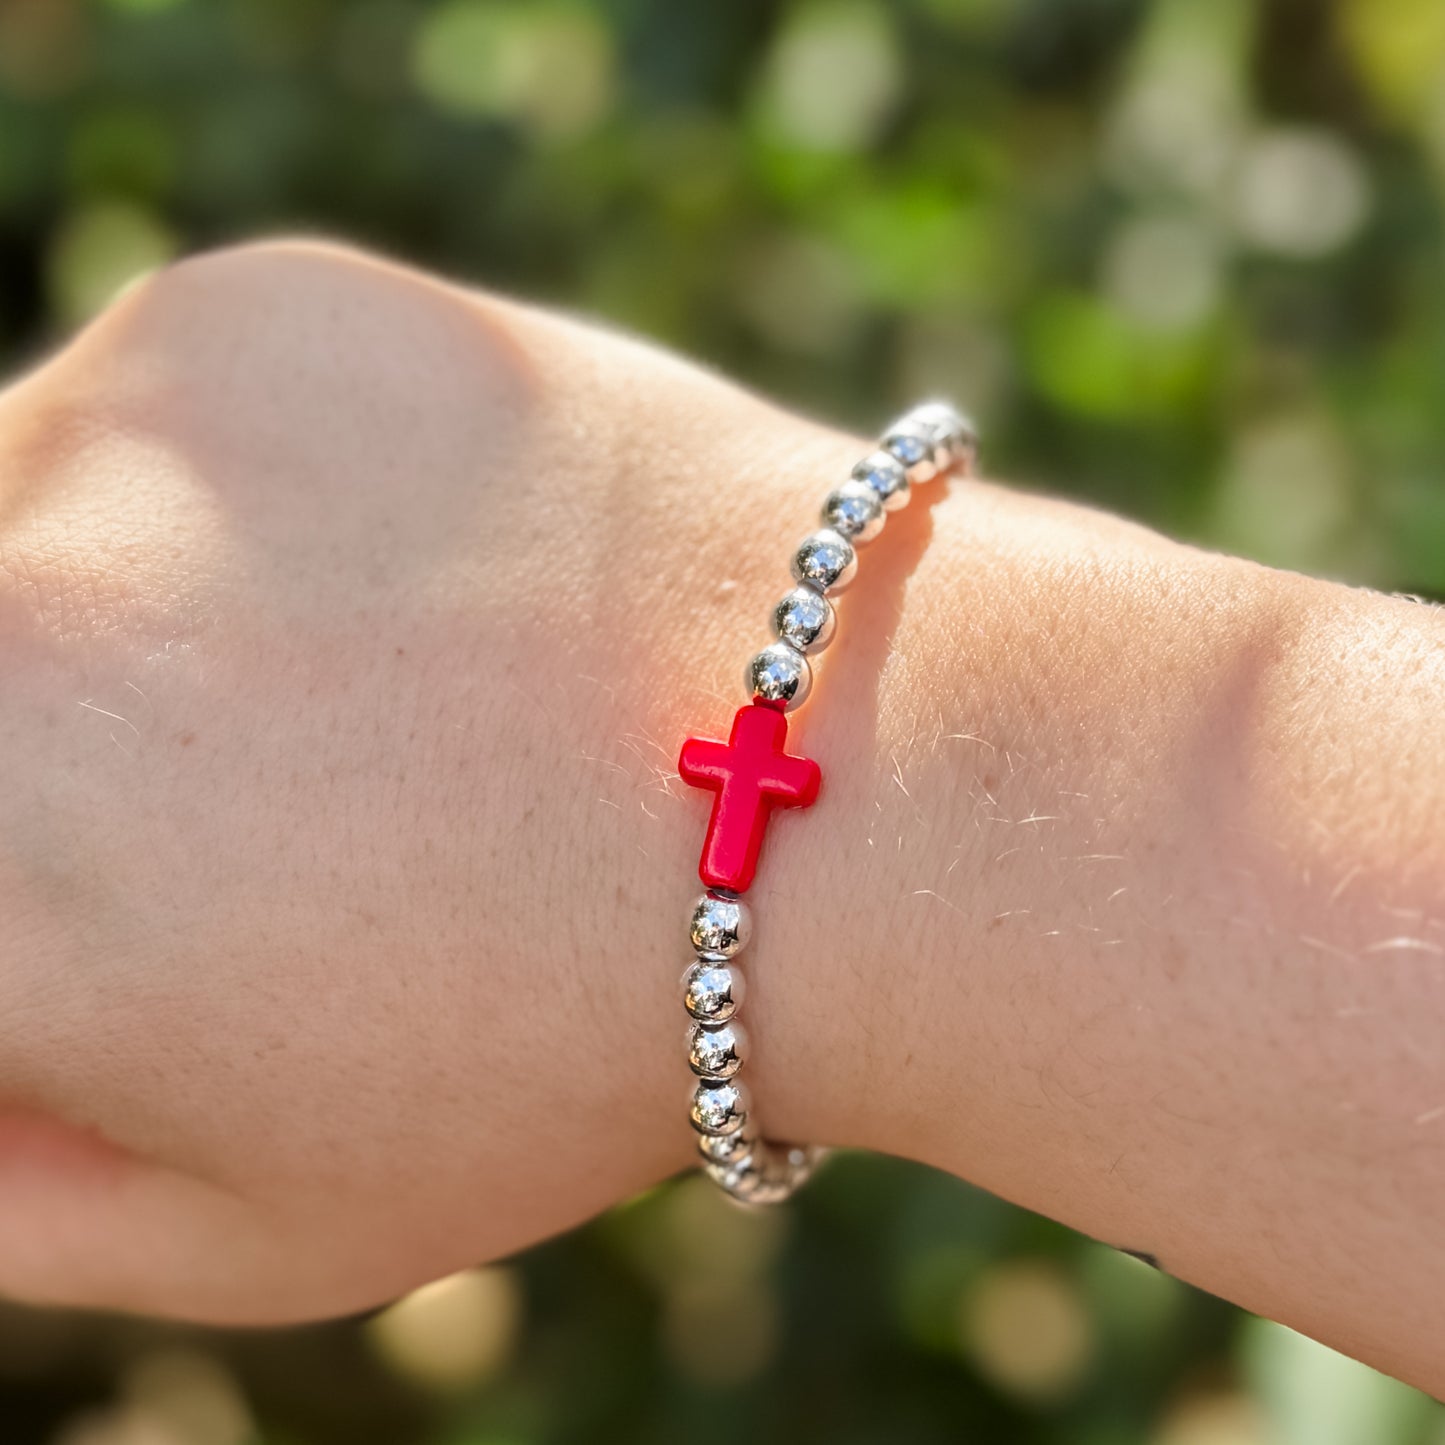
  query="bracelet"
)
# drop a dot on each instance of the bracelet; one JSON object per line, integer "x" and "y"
{"x": 751, "y": 774}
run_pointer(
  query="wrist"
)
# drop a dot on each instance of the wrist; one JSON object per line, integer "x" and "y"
{"x": 1014, "y": 744}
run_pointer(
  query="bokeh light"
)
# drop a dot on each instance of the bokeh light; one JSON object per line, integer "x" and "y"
{"x": 101, "y": 249}
{"x": 1027, "y": 1329}
{"x": 832, "y": 78}
{"x": 1300, "y": 192}
{"x": 1215, "y": 1419}
{"x": 175, "y": 1397}
{"x": 548, "y": 67}
{"x": 453, "y": 1332}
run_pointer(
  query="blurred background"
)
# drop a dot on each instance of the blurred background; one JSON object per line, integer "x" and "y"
{"x": 1182, "y": 258}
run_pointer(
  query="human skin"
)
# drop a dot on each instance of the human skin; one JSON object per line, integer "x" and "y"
{"x": 349, "y": 625}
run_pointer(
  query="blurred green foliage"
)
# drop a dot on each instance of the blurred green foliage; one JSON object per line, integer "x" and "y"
{"x": 1183, "y": 258}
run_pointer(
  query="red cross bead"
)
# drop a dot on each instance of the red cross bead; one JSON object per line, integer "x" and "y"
{"x": 749, "y": 776}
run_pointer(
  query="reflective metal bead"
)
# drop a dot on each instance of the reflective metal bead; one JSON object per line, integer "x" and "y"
{"x": 797, "y": 1161}
{"x": 825, "y": 560}
{"x": 712, "y": 992}
{"x": 766, "y": 1173}
{"x": 854, "y": 511}
{"x": 719, "y": 1107}
{"x": 778, "y": 1187}
{"x": 804, "y": 619}
{"x": 918, "y": 448}
{"x": 728, "y": 1148}
{"x": 753, "y": 1178}
{"x": 743, "y": 1178}
{"x": 779, "y": 673}
{"x": 884, "y": 473}
{"x": 954, "y": 431}
{"x": 719, "y": 925}
{"x": 717, "y": 1051}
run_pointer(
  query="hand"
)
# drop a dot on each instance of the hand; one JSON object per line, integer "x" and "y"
{"x": 350, "y": 623}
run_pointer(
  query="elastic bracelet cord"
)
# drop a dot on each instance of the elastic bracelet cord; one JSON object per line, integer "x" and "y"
{"x": 751, "y": 774}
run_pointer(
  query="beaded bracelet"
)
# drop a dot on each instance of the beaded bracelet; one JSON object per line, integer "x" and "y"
{"x": 751, "y": 774}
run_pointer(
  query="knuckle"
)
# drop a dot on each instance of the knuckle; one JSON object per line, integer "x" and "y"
{"x": 304, "y": 350}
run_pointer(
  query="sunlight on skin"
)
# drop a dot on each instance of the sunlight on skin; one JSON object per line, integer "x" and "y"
{"x": 350, "y": 624}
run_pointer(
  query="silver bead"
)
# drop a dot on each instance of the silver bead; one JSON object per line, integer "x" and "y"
{"x": 884, "y": 473}
{"x": 854, "y": 511}
{"x": 717, "y": 1051}
{"x": 804, "y": 619}
{"x": 752, "y": 1178}
{"x": 917, "y": 447}
{"x": 779, "y": 673}
{"x": 712, "y": 992}
{"x": 719, "y": 926}
{"x": 765, "y": 1173}
{"x": 744, "y": 1178}
{"x": 953, "y": 431}
{"x": 825, "y": 560}
{"x": 728, "y": 1148}
{"x": 719, "y": 1107}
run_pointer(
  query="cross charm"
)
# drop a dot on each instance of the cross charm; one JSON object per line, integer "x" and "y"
{"x": 750, "y": 775}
